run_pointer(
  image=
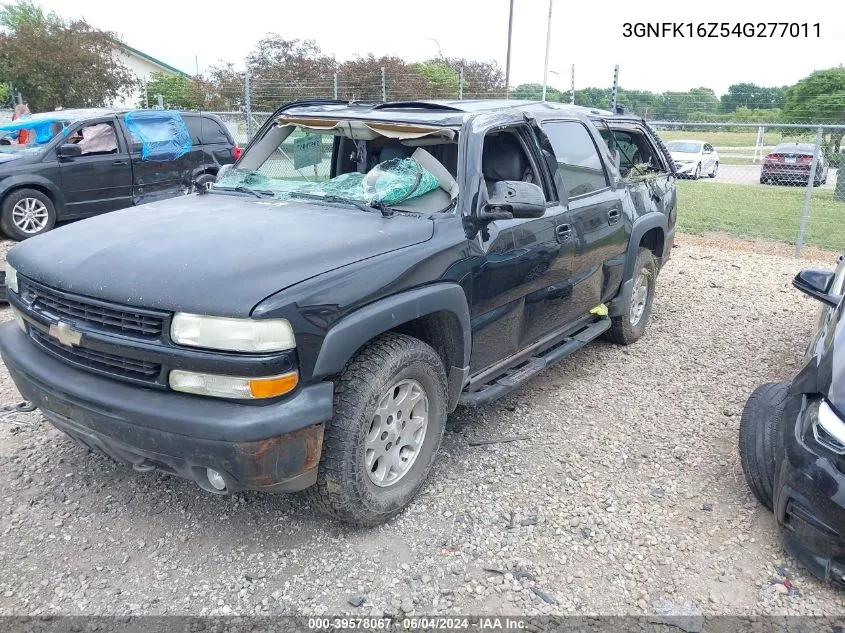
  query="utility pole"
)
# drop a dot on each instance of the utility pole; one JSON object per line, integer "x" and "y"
{"x": 248, "y": 102}
{"x": 383, "y": 84}
{"x": 548, "y": 43}
{"x": 461, "y": 84}
{"x": 334, "y": 81}
{"x": 615, "y": 89}
{"x": 508, "y": 59}
{"x": 572, "y": 87}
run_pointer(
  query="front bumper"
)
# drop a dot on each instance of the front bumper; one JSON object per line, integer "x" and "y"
{"x": 809, "y": 501}
{"x": 273, "y": 447}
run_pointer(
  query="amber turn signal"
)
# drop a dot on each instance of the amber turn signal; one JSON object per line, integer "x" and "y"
{"x": 273, "y": 387}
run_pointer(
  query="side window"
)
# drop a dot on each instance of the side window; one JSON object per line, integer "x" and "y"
{"x": 213, "y": 133}
{"x": 708, "y": 147}
{"x": 95, "y": 139}
{"x": 577, "y": 157}
{"x": 504, "y": 158}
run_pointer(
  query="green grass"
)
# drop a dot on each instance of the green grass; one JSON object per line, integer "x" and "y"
{"x": 746, "y": 138}
{"x": 760, "y": 211}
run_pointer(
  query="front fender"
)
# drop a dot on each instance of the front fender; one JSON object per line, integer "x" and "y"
{"x": 363, "y": 325}
{"x": 38, "y": 182}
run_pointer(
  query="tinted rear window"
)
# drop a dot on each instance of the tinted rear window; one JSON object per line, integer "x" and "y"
{"x": 193, "y": 125}
{"x": 213, "y": 132}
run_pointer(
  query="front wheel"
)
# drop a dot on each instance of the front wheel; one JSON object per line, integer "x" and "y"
{"x": 697, "y": 173}
{"x": 630, "y": 326}
{"x": 389, "y": 415}
{"x": 26, "y": 213}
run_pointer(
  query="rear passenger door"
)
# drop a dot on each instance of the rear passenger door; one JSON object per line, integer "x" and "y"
{"x": 599, "y": 230}
{"x": 154, "y": 180}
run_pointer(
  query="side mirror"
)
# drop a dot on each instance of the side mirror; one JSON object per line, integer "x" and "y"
{"x": 514, "y": 199}
{"x": 816, "y": 282}
{"x": 69, "y": 150}
{"x": 222, "y": 171}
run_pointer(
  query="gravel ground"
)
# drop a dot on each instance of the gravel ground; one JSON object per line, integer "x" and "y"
{"x": 627, "y": 495}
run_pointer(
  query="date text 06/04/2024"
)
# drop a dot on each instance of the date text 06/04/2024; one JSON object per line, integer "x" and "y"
{"x": 721, "y": 29}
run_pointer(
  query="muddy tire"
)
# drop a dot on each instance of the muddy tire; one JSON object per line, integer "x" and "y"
{"x": 389, "y": 414}
{"x": 27, "y": 213}
{"x": 630, "y": 326}
{"x": 759, "y": 439}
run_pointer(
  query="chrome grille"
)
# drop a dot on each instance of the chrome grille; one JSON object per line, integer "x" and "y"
{"x": 111, "y": 364}
{"x": 98, "y": 315}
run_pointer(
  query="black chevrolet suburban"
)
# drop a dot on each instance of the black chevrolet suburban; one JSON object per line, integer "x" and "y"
{"x": 92, "y": 163}
{"x": 310, "y": 320}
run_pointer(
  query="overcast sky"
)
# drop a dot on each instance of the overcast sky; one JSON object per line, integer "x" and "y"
{"x": 590, "y": 36}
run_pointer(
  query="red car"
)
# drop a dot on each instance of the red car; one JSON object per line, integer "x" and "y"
{"x": 791, "y": 163}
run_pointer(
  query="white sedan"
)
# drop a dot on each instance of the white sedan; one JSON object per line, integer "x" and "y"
{"x": 694, "y": 159}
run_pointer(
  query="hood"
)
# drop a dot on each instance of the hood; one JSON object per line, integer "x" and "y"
{"x": 209, "y": 254}
{"x": 6, "y": 157}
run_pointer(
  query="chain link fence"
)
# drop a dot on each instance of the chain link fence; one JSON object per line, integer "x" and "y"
{"x": 773, "y": 181}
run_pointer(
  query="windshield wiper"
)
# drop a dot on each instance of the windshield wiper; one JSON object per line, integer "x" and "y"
{"x": 258, "y": 193}
{"x": 340, "y": 199}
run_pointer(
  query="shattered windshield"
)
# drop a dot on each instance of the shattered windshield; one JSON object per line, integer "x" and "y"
{"x": 303, "y": 163}
{"x": 684, "y": 147}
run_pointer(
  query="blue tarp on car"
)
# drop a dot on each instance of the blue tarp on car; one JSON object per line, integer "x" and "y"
{"x": 162, "y": 133}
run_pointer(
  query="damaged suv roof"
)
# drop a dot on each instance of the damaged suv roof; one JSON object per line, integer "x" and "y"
{"x": 436, "y": 112}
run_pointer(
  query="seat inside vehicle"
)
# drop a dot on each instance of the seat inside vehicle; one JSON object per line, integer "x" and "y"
{"x": 504, "y": 158}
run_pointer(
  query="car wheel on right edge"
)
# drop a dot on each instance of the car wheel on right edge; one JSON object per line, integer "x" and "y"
{"x": 759, "y": 439}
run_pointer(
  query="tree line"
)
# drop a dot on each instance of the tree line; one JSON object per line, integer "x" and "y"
{"x": 57, "y": 62}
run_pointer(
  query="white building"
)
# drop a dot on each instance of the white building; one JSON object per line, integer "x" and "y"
{"x": 142, "y": 66}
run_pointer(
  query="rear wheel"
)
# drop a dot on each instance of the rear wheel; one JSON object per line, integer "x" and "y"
{"x": 27, "y": 212}
{"x": 389, "y": 416}
{"x": 629, "y": 327}
{"x": 204, "y": 181}
{"x": 759, "y": 439}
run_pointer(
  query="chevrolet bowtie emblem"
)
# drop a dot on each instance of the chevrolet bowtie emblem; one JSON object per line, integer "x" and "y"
{"x": 65, "y": 334}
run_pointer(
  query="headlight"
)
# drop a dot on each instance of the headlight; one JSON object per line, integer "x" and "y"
{"x": 234, "y": 335}
{"x": 828, "y": 427}
{"x": 11, "y": 278}
{"x": 232, "y": 386}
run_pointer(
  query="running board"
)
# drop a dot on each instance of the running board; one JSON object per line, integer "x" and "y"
{"x": 529, "y": 368}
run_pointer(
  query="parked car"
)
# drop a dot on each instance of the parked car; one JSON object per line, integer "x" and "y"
{"x": 310, "y": 320}
{"x": 791, "y": 163}
{"x": 792, "y": 438}
{"x": 694, "y": 159}
{"x": 55, "y": 179}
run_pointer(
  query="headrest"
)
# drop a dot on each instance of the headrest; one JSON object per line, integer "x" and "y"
{"x": 503, "y": 158}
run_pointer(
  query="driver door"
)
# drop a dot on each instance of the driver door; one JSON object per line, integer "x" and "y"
{"x": 100, "y": 179}
{"x": 523, "y": 270}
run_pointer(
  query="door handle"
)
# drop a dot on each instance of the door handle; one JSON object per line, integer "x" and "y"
{"x": 613, "y": 216}
{"x": 563, "y": 232}
{"x": 119, "y": 163}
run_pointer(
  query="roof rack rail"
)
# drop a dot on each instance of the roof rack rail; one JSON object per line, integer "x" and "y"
{"x": 420, "y": 105}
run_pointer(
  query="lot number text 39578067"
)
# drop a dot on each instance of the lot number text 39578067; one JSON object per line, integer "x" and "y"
{"x": 721, "y": 29}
